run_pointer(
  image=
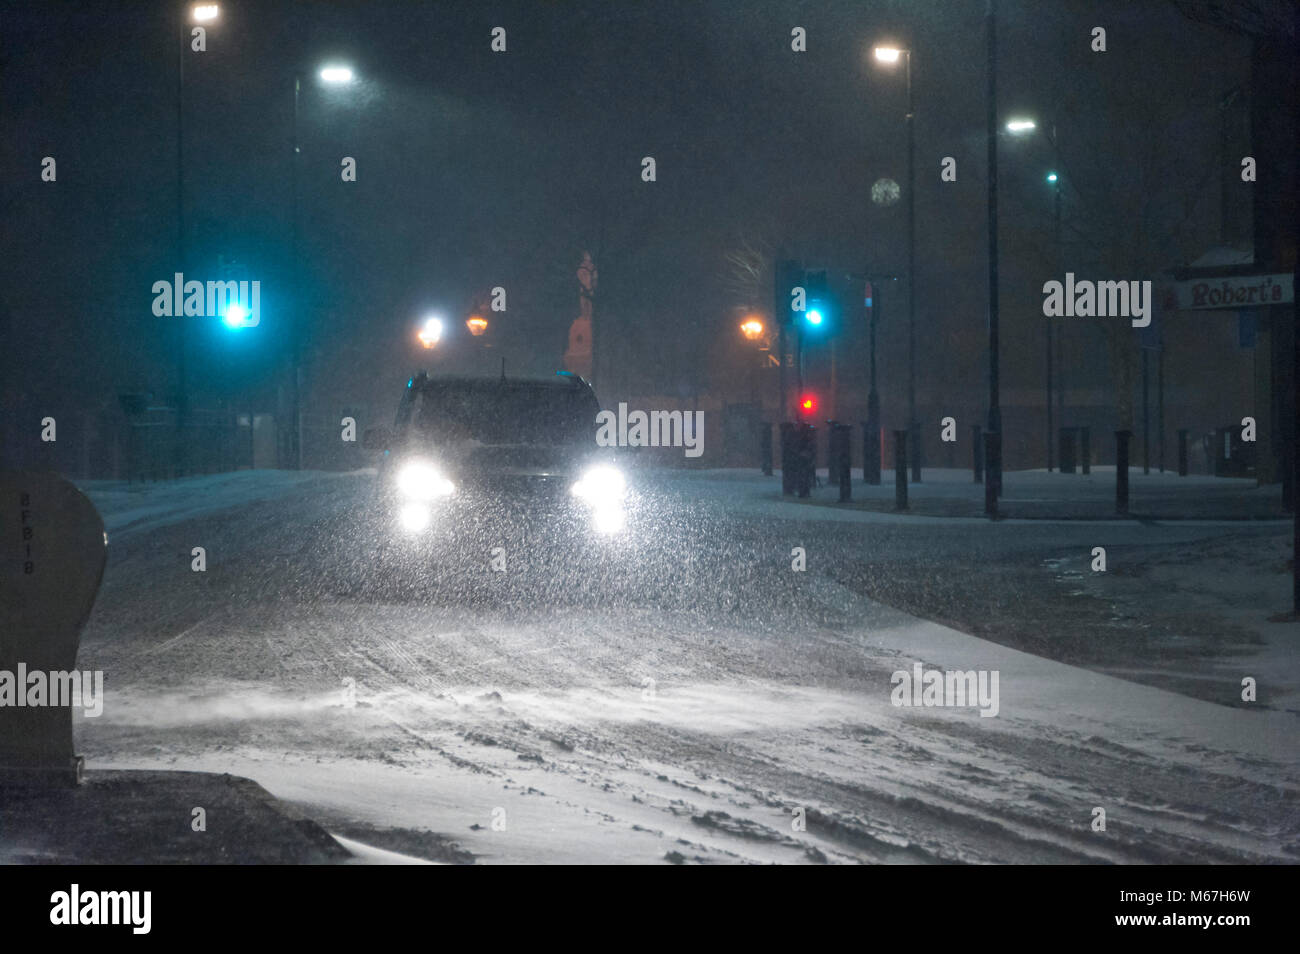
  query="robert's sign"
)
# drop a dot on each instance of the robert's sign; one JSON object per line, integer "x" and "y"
{"x": 1239, "y": 291}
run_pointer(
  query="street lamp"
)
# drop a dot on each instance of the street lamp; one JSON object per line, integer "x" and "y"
{"x": 891, "y": 55}
{"x": 334, "y": 75}
{"x": 752, "y": 329}
{"x": 476, "y": 324}
{"x": 1016, "y": 126}
{"x": 430, "y": 333}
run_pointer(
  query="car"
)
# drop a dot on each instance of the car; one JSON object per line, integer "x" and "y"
{"x": 517, "y": 455}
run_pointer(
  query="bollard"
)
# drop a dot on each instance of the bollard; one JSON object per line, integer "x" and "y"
{"x": 765, "y": 448}
{"x": 1065, "y": 441}
{"x": 1182, "y": 452}
{"x": 805, "y": 459}
{"x": 843, "y": 471}
{"x": 1121, "y": 470}
{"x": 1085, "y": 450}
{"x": 788, "y": 461}
{"x": 900, "y": 470}
{"x": 977, "y": 452}
{"x": 992, "y": 468}
{"x": 832, "y": 451}
{"x": 870, "y": 453}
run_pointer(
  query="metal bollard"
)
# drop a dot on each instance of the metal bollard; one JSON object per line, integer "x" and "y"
{"x": 789, "y": 463}
{"x": 806, "y": 459}
{"x": 977, "y": 452}
{"x": 1065, "y": 443}
{"x": 1085, "y": 450}
{"x": 843, "y": 471}
{"x": 1121, "y": 470}
{"x": 870, "y": 453}
{"x": 900, "y": 470}
{"x": 1182, "y": 452}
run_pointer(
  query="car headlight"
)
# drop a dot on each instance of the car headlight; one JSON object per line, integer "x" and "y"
{"x": 601, "y": 486}
{"x": 420, "y": 480}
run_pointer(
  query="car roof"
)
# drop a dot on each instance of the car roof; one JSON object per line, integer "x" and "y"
{"x": 562, "y": 380}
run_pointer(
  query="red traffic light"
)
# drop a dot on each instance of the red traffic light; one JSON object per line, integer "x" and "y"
{"x": 808, "y": 404}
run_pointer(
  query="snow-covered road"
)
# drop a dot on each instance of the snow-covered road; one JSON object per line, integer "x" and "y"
{"x": 689, "y": 698}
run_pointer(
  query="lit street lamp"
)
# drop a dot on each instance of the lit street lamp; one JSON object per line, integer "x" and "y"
{"x": 430, "y": 333}
{"x": 891, "y": 55}
{"x": 477, "y": 325}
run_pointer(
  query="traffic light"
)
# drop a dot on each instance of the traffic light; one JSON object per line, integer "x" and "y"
{"x": 808, "y": 405}
{"x": 817, "y": 309}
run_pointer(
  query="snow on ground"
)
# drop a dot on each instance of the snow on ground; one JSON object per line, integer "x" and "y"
{"x": 664, "y": 731}
{"x": 144, "y": 506}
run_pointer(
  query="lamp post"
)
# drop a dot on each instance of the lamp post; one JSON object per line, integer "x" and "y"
{"x": 993, "y": 437}
{"x": 1055, "y": 180}
{"x": 891, "y": 54}
{"x": 874, "y": 291}
{"x": 1054, "y": 339}
{"x": 334, "y": 75}
{"x": 202, "y": 13}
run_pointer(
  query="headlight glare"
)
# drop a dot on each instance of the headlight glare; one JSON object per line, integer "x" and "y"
{"x": 420, "y": 480}
{"x": 600, "y": 486}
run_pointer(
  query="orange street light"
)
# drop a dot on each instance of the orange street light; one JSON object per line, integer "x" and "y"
{"x": 752, "y": 329}
{"x": 476, "y": 325}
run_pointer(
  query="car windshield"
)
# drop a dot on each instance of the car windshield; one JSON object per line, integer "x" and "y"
{"x": 504, "y": 414}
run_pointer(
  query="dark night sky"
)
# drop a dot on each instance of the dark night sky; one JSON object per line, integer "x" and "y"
{"x": 477, "y": 169}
